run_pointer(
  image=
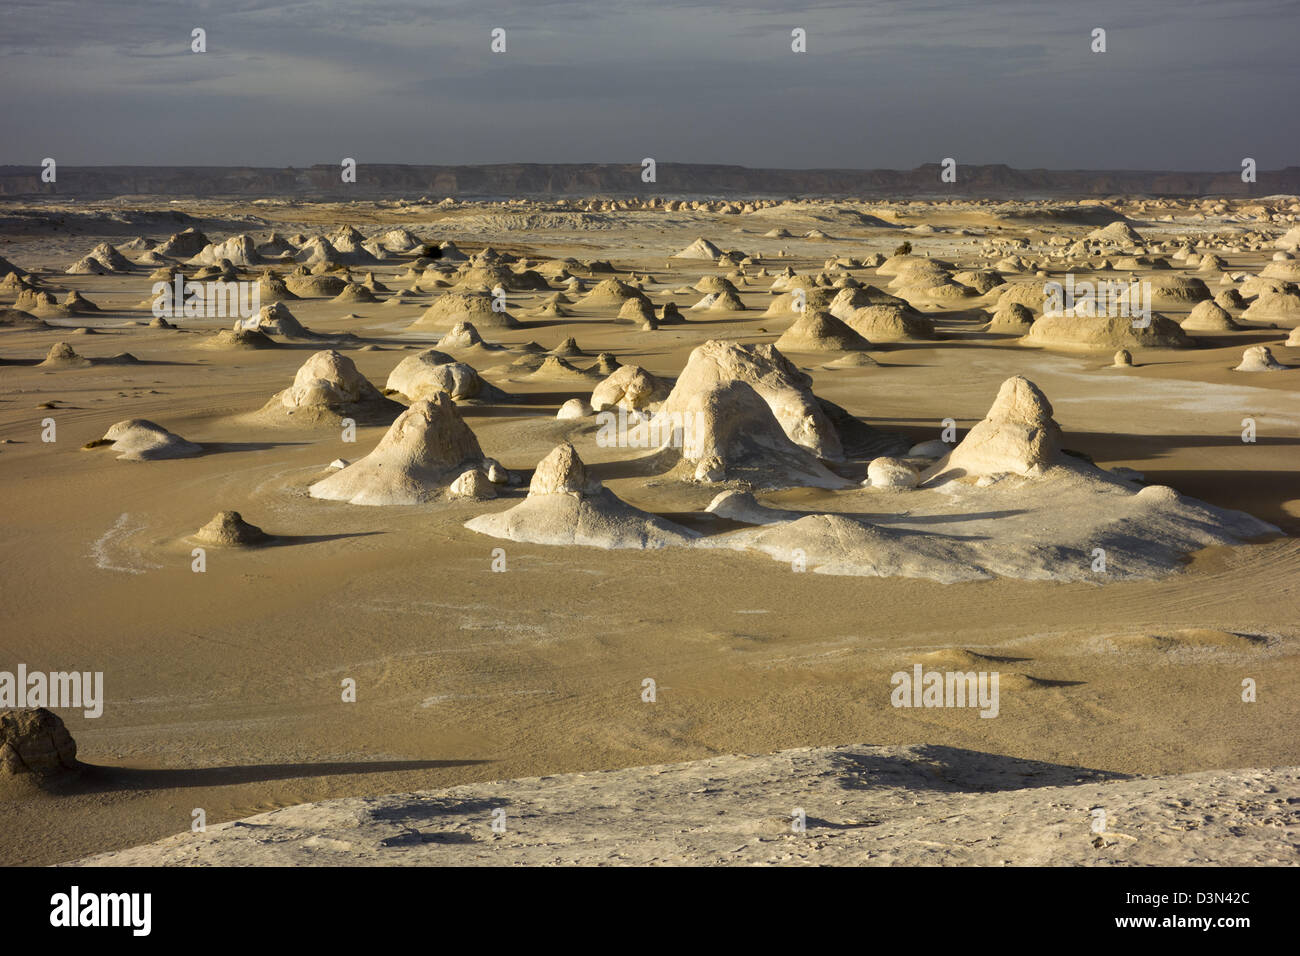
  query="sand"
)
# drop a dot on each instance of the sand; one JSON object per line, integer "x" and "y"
{"x": 844, "y": 806}
{"x": 223, "y": 687}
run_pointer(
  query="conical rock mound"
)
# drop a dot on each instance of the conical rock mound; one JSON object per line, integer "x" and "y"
{"x": 453, "y": 308}
{"x": 1017, "y": 436}
{"x": 329, "y": 387}
{"x": 228, "y": 529}
{"x": 701, "y": 248}
{"x": 35, "y": 744}
{"x": 426, "y": 373}
{"x": 723, "y": 430}
{"x": 786, "y": 390}
{"x": 424, "y": 451}
{"x": 820, "y": 332}
{"x": 565, "y": 506}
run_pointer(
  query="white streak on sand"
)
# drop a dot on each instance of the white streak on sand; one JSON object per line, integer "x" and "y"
{"x": 100, "y": 549}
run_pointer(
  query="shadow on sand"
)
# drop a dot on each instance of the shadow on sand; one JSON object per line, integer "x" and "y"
{"x": 95, "y": 779}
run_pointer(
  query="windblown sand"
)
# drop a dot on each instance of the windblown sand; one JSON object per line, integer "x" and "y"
{"x": 224, "y": 687}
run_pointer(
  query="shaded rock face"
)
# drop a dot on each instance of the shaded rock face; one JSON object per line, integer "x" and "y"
{"x": 229, "y": 529}
{"x": 34, "y": 741}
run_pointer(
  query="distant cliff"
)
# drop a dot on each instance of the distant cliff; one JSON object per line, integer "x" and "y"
{"x": 674, "y": 180}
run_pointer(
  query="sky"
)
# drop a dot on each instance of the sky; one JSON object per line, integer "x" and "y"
{"x": 1191, "y": 85}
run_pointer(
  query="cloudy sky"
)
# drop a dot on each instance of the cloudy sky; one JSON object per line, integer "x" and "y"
{"x": 1191, "y": 85}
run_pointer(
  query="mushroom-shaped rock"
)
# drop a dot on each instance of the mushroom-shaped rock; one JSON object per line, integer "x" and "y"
{"x": 421, "y": 375}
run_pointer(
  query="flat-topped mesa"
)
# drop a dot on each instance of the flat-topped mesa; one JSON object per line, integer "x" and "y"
{"x": 1017, "y": 436}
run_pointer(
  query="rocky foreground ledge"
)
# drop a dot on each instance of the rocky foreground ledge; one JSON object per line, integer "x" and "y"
{"x": 860, "y": 805}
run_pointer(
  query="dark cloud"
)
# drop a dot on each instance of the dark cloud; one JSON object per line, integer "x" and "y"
{"x": 1193, "y": 85}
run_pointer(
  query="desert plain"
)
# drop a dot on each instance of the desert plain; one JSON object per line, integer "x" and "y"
{"x": 499, "y": 621}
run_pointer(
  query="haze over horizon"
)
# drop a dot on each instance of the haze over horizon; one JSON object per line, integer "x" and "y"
{"x": 1194, "y": 87}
